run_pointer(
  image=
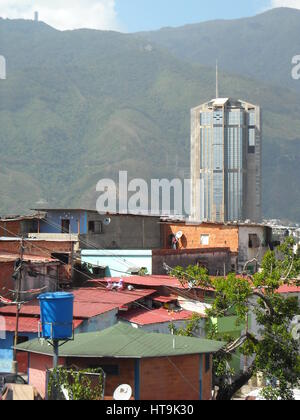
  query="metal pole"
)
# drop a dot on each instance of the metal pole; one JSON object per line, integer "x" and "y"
{"x": 18, "y": 303}
{"x": 55, "y": 366}
{"x": 55, "y": 353}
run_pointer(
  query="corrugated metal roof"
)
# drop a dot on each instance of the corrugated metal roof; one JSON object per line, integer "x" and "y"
{"x": 123, "y": 341}
{"x": 148, "y": 281}
{"x": 156, "y": 316}
{"x": 26, "y": 324}
{"x": 151, "y": 281}
{"x": 89, "y": 302}
{"x": 289, "y": 289}
{"x": 9, "y": 257}
{"x": 41, "y": 238}
{"x": 13, "y": 218}
{"x": 165, "y": 299}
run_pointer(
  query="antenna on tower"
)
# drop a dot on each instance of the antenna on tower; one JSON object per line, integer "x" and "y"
{"x": 217, "y": 79}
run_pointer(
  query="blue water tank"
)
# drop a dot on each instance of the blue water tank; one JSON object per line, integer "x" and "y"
{"x": 57, "y": 315}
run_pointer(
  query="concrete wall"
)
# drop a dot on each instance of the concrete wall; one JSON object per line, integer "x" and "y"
{"x": 245, "y": 252}
{"x": 216, "y": 261}
{"x": 164, "y": 327}
{"x": 118, "y": 261}
{"x": 98, "y": 323}
{"x": 124, "y": 232}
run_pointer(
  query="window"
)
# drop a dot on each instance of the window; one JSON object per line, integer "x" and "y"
{"x": 204, "y": 240}
{"x": 65, "y": 226}
{"x": 254, "y": 241}
{"x": 95, "y": 227}
{"x": 63, "y": 258}
{"x": 252, "y": 140}
{"x": 207, "y": 363}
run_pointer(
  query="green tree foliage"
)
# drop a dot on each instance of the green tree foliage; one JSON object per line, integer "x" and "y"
{"x": 78, "y": 384}
{"x": 273, "y": 351}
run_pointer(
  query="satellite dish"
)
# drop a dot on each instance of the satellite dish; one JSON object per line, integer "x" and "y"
{"x": 179, "y": 235}
{"x": 123, "y": 393}
{"x": 107, "y": 221}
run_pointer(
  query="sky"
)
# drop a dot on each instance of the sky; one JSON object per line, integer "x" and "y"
{"x": 134, "y": 15}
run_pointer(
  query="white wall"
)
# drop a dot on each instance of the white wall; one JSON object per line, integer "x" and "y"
{"x": 246, "y": 253}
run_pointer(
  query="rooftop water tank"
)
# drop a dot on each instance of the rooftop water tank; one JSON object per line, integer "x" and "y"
{"x": 57, "y": 315}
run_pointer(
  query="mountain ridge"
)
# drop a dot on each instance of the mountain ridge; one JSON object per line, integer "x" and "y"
{"x": 79, "y": 106}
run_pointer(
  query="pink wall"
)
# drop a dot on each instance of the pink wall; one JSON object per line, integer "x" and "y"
{"x": 37, "y": 371}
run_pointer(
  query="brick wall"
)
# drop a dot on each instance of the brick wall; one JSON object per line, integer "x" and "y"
{"x": 174, "y": 378}
{"x": 10, "y": 229}
{"x": 39, "y": 248}
{"x": 215, "y": 260}
{"x": 126, "y": 372}
{"x": 6, "y": 282}
{"x": 206, "y": 380}
{"x": 220, "y": 236}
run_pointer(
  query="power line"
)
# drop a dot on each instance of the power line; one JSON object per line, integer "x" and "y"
{"x": 45, "y": 249}
{"x": 93, "y": 246}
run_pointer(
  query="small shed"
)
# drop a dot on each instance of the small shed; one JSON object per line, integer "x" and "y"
{"x": 156, "y": 366}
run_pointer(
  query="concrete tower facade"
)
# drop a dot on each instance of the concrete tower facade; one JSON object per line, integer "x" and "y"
{"x": 226, "y": 164}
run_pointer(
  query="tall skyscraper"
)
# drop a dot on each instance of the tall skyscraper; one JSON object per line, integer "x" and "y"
{"x": 226, "y": 149}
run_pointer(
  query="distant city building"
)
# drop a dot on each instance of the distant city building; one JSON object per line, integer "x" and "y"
{"x": 226, "y": 150}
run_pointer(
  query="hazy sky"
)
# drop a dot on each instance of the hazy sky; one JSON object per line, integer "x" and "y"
{"x": 134, "y": 15}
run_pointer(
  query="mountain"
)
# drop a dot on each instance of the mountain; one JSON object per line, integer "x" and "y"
{"x": 260, "y": 47}
{"x": 78, "y": 106}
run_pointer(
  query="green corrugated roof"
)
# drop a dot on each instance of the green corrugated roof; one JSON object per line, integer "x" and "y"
{"x": 124, "y": 341}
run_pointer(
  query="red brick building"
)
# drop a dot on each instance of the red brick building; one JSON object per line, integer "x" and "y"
{"x": 245, "y": 241}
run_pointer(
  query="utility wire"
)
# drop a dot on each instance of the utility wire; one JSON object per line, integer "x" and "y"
{"x": 91, "y": 245}
{"x": 168, "y": 358}
{"x": 186, "y": 379}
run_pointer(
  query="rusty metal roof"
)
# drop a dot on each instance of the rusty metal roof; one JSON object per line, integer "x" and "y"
{"x": 156, "y": 316}
{"x": 26, "y": 324}
{"x": 89, "y": 302}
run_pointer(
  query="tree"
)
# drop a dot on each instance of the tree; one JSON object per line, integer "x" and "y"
{"x": 273, "y": 350}
{"x": 85, "y": 385}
